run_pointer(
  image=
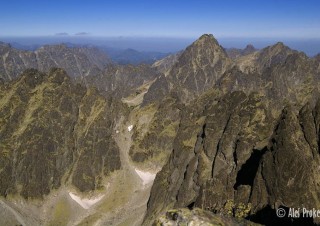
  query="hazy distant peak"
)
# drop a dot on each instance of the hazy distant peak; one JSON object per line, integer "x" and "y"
{"x": 249, "y": 47}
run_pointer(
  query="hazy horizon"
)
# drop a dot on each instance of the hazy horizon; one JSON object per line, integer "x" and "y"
{"x": 165, "y": 44}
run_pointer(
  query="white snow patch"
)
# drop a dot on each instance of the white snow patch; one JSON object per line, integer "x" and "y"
{"x": 117, "y": 131}
{"x": 130, "y": 128}
{"x": 145, "y": 176}
{"x": 85, "y": 203}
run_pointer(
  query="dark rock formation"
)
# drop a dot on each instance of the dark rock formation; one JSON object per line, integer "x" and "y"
{"x": 288, "y": 172}
{"x": 52, "y": 133}
{"x": 213, "y": 142}
{"x": 230, "y": 161}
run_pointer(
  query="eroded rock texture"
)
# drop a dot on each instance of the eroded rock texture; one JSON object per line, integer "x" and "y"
{"x": 52, "y": 133}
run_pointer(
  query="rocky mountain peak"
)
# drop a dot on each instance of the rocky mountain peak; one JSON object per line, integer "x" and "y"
{"x": 258, "y": 61}
{"x": 207, "y": 43}
{"x": 207, "y": 38}
{"x": 249, "y": 49}
{"x": 278, "y": 49}
{"x": 199, "y": 67}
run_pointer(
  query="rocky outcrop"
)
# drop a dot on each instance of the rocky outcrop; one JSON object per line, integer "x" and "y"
{"x": 233, "y": 157}
{"x": 53, "y": 133}
{"x": 198, "y": 217}
{"x": 287, "y": 176}
{"x": 215, "y": 139}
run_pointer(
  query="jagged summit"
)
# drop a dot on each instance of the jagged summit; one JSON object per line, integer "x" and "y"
{"x": 207, "y": 37}
{"x": 206, "y": 41}
{"x": 258, "y": 61}
{"x": 199, "y": 66}
{"x": 279, "y": 46}
{"x": 195, "y": 71}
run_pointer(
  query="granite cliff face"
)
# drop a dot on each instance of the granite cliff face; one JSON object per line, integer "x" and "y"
{"x": 54, "y": 133}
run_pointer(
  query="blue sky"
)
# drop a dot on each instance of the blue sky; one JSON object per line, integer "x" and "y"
{"x": 175, "y": 18}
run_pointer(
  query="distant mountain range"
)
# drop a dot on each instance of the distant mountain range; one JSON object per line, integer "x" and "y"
{"x": 76, "y": 61}
{"x": 119, "y": 56}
